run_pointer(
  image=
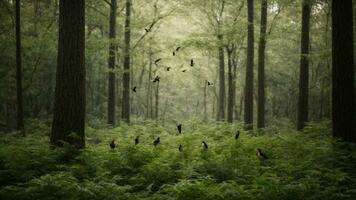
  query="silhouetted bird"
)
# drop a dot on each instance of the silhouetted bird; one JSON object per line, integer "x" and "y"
{"x": 260, "y": 154}
{"x": 168, "y": 68}
{"x": 237, "y": 135}
{"x": 147, "y": 30}
{"x": 137, "y": 140}
{"x": 157, "y": 141}
{"x": 174, "y": 53}
{"x": 205, "y": 145}
{"x": 156, "y": 79}
{"x": 180, "y": 148}
{"x": 134, "y": 89}
{"x": 179, "y": 127}
{"x": 191, "y": 62}
{"x": 184, "y": 70}
{"x": 156, "y": 61}
{"x": 112, "y": 144}
{"x": 209, "y": 83}
{"x": 177, "y": 49}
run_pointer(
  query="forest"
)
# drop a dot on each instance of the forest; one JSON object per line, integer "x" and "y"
{"x": 177, "y": 99}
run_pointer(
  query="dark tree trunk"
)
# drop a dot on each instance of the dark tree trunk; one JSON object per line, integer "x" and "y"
{"x": 126, "y": 76}
{"x": 304, "y": 67}
{"x": 149, "y": 85}
{"x": 111, "y": 62}
{"x": 204, "y": 100}
{"x": 20, "y": 122}
{"x": 230, "y": 97}
{"x": 343, "y": 74}
{"x": 248, "y": 116}
{"x": 69, "y": 102}
{"x": 221, "y": 103}
{"x": 157, "y": 100}
{"x": 261, "y": 67}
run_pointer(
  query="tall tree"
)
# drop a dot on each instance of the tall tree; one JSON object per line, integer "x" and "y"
{"x": 111, "y": 63}
{"x": 20, "y": 123}
{"x": 126, "y": 76}
{"x": 302, "y": 117}
{"x": 343, "y": 74}
{"x": 230, "y": 49}
{"x": 69, "y": 102}
{"x": 261, "y": 67}
{"x": 248, "y": 108}
{"x": 220, "y": 37}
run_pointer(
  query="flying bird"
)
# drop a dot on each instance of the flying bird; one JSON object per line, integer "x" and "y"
{"x": 205, "y": 145}
{"x": 157, "y": 141}
{"x": 174, "y": 53}
{"x": 168, "y": 69}
{"x": 184, "y": 70}
{"x": 209, "y": 83}
{"x": 157, "y": 60}
{"x": 179, "y": 127}
{"x": 147, "y": 30}
{"x": 156, "y": 79}
{"x": 112, "y": 144}
{"x": 180, "y": 148}
{"x": 137, "y": 140}
{"x": 191, "y": 62}
{"x": 237, "y": 135}
{"x": 177, "y": 49}
{"x": 260, "y": 154}
{"x": 134, "y": 89}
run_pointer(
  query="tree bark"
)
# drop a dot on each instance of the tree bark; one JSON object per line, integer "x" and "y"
{"x": 126, "y": 76}
{"x": 343, "y": 72}
{"x": 261, "y": 67}
{"x": 230, "y": 97}
{"x": 156, "y": 100}
{"x": 304, "y": 68}
{"x": 111, "y": 63}
{"x": 204, "y": 100}
{"x": 20, "y": 121}
{"x": 248, "y": 116}
{"x": 69, "y": 102}
{"x": 221, "y": 103}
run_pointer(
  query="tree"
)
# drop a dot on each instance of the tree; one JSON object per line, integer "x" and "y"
{"x": 69, "y": 102}
{"x": 111, "y": 63}
{"x": 220, "y": 37}
{"x": 343, "y": 74}
{"x": 231, "y": 49}
{"x": 302, "y": 116}
{"x": 20, "y": 123}
{"x": 248, "y": 117}
{"x": 126, "y": 76}
{"x": 261, "y": 67}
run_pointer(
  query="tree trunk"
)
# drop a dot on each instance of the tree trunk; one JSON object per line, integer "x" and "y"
{"x": 157, "y": 100}
{"x": 20, "y": 121}
{"x": 248, "y": 116}
{"x": 111, "y": 62}
{"x": 230, "y": 97}
{"x": 343, "y": 74}
{"x": 304, "y": 68}
{"x": 126, "y": 76}
{"x": 261, "y": 67}
{"x": 69, "y": 102}
{"x": 204, "y": 100}
{"x": 221, "y": 103}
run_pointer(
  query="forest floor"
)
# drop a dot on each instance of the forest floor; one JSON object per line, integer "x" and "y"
{"x": 308, "y": 165}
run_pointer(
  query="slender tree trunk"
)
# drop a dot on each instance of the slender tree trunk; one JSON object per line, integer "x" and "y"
{"x": 248, "y": 116}
{"x": 304, "y": 67}
{"x": 343, "y": 71}
{"x": 69, "y": 102}
{"x": 20, "y": 121}
{"x": 221, "y": 103}
{"x": 230, "y": 97}
{"x": 205, "y": 114}
{"x": 126, "y": 76}
{"x": 149, "y": 82}
{"x": 261, "y": 67}
{"x": 111, "y": 62}
{"x": 157, "y": 100}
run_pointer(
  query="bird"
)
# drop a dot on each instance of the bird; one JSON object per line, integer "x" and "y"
{"x": 209, "y": 83}
{"x": 205, "y": 145}
{"x": 174, "y": 53}
{"x": 237, "y": 135}
{"x": 134, "y": 89}
{"x": 112, "y": 144}
{"x": 191, "y": 62}
{"x": 156, "y": 79}
{"x": 177, "y": 49}
{"x": 157, "y": 60}
{"x": 147, "y": 30}
{"x": 137, "y": 140}
{"x": 157, "y": 141}
{"x": 179, "y": 127}
{"x": 168, "y": 69}
{"x": 260, "y": 154}
{"x": 184, "y": 70}
{"x": 180, "y": 148}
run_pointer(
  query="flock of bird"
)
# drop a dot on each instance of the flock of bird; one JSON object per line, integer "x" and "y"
{"x": 157, "y": 141}
{"x": 174, "y": 53}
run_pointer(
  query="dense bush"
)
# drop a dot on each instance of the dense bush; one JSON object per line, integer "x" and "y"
{"x": 308, "y": 165}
